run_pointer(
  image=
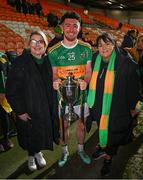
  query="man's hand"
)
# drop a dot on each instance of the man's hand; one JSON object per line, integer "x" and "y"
{"x": 57, "y": 83}
{"x": 24, "y": 117}
{"x": 82, "y": 84}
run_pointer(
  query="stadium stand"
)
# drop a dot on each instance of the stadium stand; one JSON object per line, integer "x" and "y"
{"x": 15, "y": 27}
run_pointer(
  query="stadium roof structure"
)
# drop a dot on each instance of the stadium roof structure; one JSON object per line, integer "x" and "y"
{"x": 131, "y": 5}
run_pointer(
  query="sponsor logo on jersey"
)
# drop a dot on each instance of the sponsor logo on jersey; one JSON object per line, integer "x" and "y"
{"x": 78, "y": 71}
{"x": 61, "y": 57}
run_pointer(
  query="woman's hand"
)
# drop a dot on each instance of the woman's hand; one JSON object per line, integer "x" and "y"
{"x": 24, "y": 117}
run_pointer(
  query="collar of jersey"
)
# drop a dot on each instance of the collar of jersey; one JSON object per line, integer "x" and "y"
{"x": 70, "y": 46}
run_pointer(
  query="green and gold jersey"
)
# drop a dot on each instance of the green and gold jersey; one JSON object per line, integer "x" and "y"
{"x": 70, "y": 59}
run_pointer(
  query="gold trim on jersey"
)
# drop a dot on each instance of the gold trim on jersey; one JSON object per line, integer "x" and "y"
{"x": 54, "y": 47}
{"x": 85, "y": 44}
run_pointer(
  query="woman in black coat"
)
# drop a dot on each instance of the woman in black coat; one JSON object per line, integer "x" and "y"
{"x": 113, "y": 94}
{"x": 30, "y": 94}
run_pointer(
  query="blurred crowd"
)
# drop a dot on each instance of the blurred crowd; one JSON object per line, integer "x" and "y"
{"x": 27, "y": 6}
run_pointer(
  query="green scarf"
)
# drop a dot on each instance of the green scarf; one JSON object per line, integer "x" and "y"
{"x": 38, "y": 61}
{"x": 107, "y": 95}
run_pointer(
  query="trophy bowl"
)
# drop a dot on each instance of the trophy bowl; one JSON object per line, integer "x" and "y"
{"x": 69, "y": 90}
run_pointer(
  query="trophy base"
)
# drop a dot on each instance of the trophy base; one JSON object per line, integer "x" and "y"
{"x": 71, "y": 117}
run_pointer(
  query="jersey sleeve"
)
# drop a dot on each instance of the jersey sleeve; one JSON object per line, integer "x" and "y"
{"x": 53, "y": 54}
{"x": 52, "y": 58}
{"x": 89, "y": 54}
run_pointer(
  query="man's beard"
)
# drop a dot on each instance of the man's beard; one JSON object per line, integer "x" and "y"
{"x": 71, "y": 38}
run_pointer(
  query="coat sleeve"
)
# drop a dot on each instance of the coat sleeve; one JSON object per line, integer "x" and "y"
{"x": 15, "y": 88}
{"x": 53, "y": 105}
{"x": 132, "y": 84}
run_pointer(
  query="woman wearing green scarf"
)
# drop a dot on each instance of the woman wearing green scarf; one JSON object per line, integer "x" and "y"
{"x": 113, "y": 93}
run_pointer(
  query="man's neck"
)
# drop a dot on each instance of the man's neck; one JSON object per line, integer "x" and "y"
{"x": 69, "y": 43}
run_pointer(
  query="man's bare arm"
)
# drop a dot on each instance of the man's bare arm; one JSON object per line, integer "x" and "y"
{"x": 87, "y": 76}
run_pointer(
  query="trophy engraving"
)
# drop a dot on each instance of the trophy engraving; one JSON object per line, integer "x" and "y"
{"x": 69, "y": 91}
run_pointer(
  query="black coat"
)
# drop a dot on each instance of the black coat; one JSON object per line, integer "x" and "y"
{"x": 125, "y": 97}
{"x": 29, "y": 90}
{"x": 128, "y": 41}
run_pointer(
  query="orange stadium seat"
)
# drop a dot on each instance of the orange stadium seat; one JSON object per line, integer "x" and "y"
{"x": 10, "y": 45}
{"x": 2, "y": 38}
{"x": 2, "y": 47}
{"x": 19, "y": 44}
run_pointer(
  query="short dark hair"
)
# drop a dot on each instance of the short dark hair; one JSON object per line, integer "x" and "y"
{"x": 70, "y": 15}
{"x": 131, "y": 31}
{"x": 106, "y": 37}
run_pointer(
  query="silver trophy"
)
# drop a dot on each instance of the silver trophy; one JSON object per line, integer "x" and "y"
{"x": 69, "y": 91}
